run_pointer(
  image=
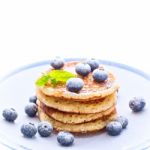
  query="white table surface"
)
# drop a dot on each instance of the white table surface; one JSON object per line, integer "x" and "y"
{"x": 36, "y": 30}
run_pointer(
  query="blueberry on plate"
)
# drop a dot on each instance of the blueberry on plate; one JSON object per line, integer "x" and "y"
{"x": 94, "y": 64}
{"x": 65, "y": 138}
{"x": 31, "y": 109}
{"x": 114, "y": 128}
{"x": 100, "y": 75}
{"x": 10, "y": 114}
{"x": 83, "y": 69}
{"x": 57, "y": 63}
{"x": 137, "y": 104}
{"x": 28, "y": 130}
{"x": 33, "y": 99}
{"x": 123, "y": 120}
{"x": 45, "y": 129}
{"x": 74, "y": 84}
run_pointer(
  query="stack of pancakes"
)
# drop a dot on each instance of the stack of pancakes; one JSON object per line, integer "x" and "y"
{"x": 87, "y": 111}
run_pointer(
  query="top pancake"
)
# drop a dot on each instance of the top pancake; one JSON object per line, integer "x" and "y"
{"x": 91, "y": 90}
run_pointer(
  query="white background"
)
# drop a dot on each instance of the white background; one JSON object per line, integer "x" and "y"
{"x": 33, "y": 30}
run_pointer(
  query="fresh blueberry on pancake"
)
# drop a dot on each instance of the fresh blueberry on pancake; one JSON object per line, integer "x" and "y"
{"x": 83, "y": 69}
{"x": 137, "y": 104}
{"x": 94, "y": 64}
{"x": 123, "y": 120}
{"x": 65, "y": 138}
{"x": 100, "y": 75}
{"x": 28, "y": 130}
{"x": 31, "y": 109}
{"x": 45, "y": 129}
{"x": 57, "y": 63}
{"x": 114, "y": 128}
{"x": 74, "y": 84}
{"x": 10, "y": 114}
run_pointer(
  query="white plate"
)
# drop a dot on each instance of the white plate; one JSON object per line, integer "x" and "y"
{"x": 17, "y": 87}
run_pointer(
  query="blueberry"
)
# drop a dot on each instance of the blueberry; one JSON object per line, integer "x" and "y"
{"x": 45, "y": 129}
{"x": 114, "y": 128}
{"x": 74, "y": 84}
{"x": 83, "y": 69}
{"x": 94, "y": 64}
{"x": 33, "y": 99}
{"x": 137, "y": 104}
{"x": 10, "y": 114}
{"x": 28, "y": 130}
{"x": 123, "y": 120}
{"x": 57, "y": 63}
{"x": 31, "y": 109}
{"x": 65, "y": 138}
{"x": 100, "y": 75}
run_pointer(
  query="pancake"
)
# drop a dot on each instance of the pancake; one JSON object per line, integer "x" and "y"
{"x": 75, "y": 106}
{"x": 73, "y": 118}
{"x": 91, "y": 90}
{"x": 92, "y": 126}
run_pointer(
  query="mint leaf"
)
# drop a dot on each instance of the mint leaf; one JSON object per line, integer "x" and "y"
{"x": 55, "y": 77}
{"x": 53, "y": 81}
{"x": 61, "y": 75}
{"x": 42, "y": 80}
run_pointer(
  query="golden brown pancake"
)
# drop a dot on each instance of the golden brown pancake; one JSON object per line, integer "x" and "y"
{"x": 76, "y": 106}
{"x": 89, "y": 110}
{"x": 91, "y": 126}
{"x": 91, "y": 90}
{"x": 73, "y": 118}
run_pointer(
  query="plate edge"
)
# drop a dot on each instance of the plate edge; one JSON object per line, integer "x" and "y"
{"x": 105, "y": 62}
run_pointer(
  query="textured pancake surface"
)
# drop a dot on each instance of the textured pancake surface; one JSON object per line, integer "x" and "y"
{"x": 89, "y": 110}
{"x": 73, "y": 118}
{"x": 78, "y": 107}
{"x": 91, "y": 126}
{"x": 91, "y": 90}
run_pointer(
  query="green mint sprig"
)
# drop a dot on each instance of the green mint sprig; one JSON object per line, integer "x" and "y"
{"x": 54, "y": 77}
